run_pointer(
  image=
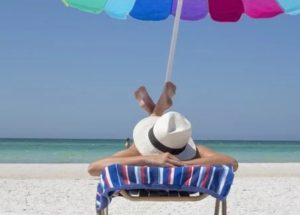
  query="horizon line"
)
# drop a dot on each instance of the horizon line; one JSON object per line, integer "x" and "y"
{"x": 65, "y": 138}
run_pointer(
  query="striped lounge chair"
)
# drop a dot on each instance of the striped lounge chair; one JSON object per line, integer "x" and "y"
{"x": 136, "y": 183}
{"x": 144, "y": 183}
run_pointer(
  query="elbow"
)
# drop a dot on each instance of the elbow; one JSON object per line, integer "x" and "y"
{"x": 94, "y": 170}
{"x": 235, "y": 165}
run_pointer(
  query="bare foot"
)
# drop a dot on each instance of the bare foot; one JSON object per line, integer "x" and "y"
{"x": 165, "y": 100}
{"x": 144, "y": 99}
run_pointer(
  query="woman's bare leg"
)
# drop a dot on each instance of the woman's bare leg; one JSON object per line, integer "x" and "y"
{"x": 165, "y": 100}
{"x": 144, "y": 99}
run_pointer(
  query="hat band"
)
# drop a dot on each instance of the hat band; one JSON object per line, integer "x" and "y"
{"x": 158, "y": 145}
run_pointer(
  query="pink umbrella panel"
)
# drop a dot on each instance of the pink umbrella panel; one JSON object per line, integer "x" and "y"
{"x": 219, "y": 10}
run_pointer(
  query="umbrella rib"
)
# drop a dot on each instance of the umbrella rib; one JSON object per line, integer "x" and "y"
{"x": 174, "y": 41}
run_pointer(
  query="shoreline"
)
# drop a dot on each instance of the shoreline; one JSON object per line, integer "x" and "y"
{"x": 79, "y": 171}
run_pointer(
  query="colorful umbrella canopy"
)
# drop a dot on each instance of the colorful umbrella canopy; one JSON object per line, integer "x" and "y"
{"x": 155, "y": 10}
{"x": 219, "y": 10}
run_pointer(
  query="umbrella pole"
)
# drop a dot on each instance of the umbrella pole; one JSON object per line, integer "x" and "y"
{"x": 174, "y": 40}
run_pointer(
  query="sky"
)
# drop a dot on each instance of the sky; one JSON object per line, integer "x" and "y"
{"x": 69, "y": 74}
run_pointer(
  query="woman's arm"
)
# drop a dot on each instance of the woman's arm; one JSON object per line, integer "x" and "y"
{"x": 132, "y": 157}
{"x": 96, "y": 167}
{"x": 210, "y": 157}
{"x": 128, "y": 156}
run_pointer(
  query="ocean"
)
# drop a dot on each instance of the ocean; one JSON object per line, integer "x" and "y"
{"x": 86, "y": 150}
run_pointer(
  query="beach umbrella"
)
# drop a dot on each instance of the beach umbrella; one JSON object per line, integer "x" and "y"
{"x": 191, "y": 10}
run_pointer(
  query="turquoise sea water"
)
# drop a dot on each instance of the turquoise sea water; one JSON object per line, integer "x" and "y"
{"x": 84, "y": 151}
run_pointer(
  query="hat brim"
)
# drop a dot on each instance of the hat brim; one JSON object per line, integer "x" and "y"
{"x": 145, "y": 147}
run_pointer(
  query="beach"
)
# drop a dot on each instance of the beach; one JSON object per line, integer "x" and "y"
{"x": 77, "y": 86}
{"x": 259, "y": 188}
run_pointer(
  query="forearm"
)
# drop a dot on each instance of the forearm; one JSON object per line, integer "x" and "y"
{"x": 133, "y": 160}
{"x": 96, "y": 167}
{"x": 213, "y": 160}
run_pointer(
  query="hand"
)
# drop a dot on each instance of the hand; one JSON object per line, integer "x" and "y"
{"x": 164, "y": 160}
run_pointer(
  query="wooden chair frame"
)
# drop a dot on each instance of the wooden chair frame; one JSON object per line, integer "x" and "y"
{"x": 127, "y": 195}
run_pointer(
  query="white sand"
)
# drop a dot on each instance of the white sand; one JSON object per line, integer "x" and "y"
{"x": 67, "y": 189}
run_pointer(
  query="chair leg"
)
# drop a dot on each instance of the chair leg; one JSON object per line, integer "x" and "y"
{"x": 224, "y": 207}
{"x": 103, "y": 211}
{"x": 217, "y": 207}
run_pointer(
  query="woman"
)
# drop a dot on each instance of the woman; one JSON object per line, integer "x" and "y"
{"x": 162, "y": 139}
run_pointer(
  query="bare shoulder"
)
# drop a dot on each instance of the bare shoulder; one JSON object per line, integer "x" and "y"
{"x": 205, "y": 151}
{"x": 130, "y": 152}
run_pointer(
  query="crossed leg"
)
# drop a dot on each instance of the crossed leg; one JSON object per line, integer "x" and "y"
{"x": 144, "y": 99}
{"x": 165, "y": 99}
{"x": 164, "y": 102}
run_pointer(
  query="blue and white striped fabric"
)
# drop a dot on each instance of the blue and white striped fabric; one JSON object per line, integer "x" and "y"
{"x": 213, "y": 180}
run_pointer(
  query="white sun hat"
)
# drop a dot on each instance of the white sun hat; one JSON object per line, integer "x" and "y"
{"x": 170, "y": 132}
